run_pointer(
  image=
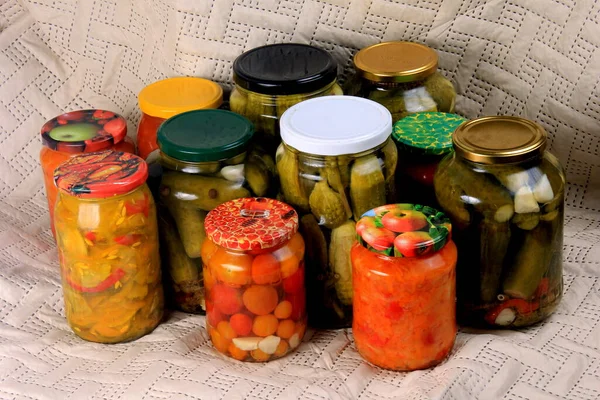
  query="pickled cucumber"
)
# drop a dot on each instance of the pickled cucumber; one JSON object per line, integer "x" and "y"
{"x": 392, "y": 100}
{"x": 526, "y": 221}
{"x": 342, "y": 239}
{"x": 180, "y": 267}
{"x": 203, "y": 192}
{"x": 316, "y": 245}
{"x": 442, "y": 91}
{"x": 257, "y": 177}
{"x": 449, "y": 195}
{"x": 190, "y": 224}
{"x": 287, "y": 101}
{"x": 327, "y": 205}
{"x": 334, "y": 179}
{"x": 390, "y": 158}
{"x": 367, "y": 185}
{"x": 237, "y": 102}
{"x": 289, "y": 176}
{"x": 495, "y": 238}
{"x": 261, "y": 110}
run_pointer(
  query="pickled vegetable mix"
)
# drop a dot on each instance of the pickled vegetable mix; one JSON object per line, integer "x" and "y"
{"x": 404, "y": 287}
{"x": 403, "y": 77}
{"x": 108, "y": 247}
{"x": 206, "y": 161}
{"x": 254, "y": 279}
{"x": 337, "y": 161}
{"x": 270, "y": 79}
{"x": 505, "y": 196}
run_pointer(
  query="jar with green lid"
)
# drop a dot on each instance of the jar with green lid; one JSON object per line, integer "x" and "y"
{"x": 403, "y": 77}
{"x": 336, "y": 162}
{"x": 270, "y": 79}
{"x": 422, "y": 139}
{"x": 505, "y": 196}
{"x": 206, "y": 160}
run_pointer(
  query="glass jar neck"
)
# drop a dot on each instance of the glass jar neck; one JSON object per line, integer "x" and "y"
{"x": 321, "y": 157}
{"x": 71, "y": 198}
{"x": 191, "y": 167}
{"x": 269, "y": 97}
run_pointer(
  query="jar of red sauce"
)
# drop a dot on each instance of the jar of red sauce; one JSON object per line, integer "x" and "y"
{"x": 164, "y": 99}
{"x": 404, "y": 287}
{"x": 253, "y": 262}
{"x": 77, "y": 132}
{"x": 422, "y": 139}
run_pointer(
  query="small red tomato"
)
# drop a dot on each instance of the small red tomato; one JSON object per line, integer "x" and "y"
{"x": 295, "y": 282}
{"x": 298, "y": 301}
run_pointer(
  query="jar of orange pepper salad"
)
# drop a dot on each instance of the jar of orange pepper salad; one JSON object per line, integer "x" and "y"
{"x": 108, "y": 247}
{"x": 404, "y": 287}
{"x": 166, "y": 98}
{"x": 254, "y": 279}
{"x": 77, "y": 132}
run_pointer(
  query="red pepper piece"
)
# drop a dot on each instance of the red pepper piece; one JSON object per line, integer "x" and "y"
{"x": 522, "y": 307}
{"x": 128, "y": 240}
{"x": 102, "y": 286}
{"x": 542, "y": 289}
{"x": 91, "y": 236}
{"x": 138, "y": 207}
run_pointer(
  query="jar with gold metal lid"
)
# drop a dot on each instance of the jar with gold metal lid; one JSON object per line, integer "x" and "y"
{"x": 403, "y": 77}
{"x": 505, "y": 196}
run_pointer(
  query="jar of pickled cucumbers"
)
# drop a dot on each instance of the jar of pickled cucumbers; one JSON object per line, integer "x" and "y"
{"x": 403, "y": 77}
{"x": 270, "y": 79}
{"x": 404, "y": 287}
{"x": 336, "y": 162}
{"x": 505, "y": 196}
{"x": 108, "y": 247}
{"x": 164, "y": 99}
{"x": 78, "y": 132}
{"x": 206, "y": 161}
{"x": 254, "y": 279}
{"x": 422, "y": 139}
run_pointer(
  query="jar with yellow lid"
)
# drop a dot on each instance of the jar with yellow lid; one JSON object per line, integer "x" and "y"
{"x": 505, "y": 196}
{"x": 403, "y": 77}
{"x": 164, "y": 99}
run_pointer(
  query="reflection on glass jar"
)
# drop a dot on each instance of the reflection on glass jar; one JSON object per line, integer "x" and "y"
{"x": 108, "y": 247}
{"x": 254, "y": 278}
{"x": 336, "y": 162}
{"x": 206, "y": 161}
{"x": 404, "y": 287}
{"x": 403, "y": 77}
{"x": 505, "y": 196}
{"x": 270, "y": 79}
{"x": 78, "y": 132}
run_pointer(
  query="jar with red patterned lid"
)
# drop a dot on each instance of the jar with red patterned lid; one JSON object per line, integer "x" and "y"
{"x": 253, "y": 266}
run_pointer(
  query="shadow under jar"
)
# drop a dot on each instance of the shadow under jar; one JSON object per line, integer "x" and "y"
{"x": 270, "y": 79}
{"x": 403, "y": 77}
{"x": 206, "y": 161}
{"x": 505, "y": 196}
{"x": 108, "y": 247}
{"x": 336, "y": 162}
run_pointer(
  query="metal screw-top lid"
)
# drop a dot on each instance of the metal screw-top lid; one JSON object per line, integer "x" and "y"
{"x": 499, "y": 139}
{"x": 396, "y": 62}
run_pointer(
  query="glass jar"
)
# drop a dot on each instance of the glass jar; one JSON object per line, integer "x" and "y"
{"x": 404, "y": 287}
{"x": 422, "y": 139}
{"x": 254, "y": 279}
{"x": 270, "y": 79}
{"x": 164, "y": 99}
{"x": 77, "y": 132}
{"x": 403, "y": 77}
{"x": 108, "y": 247}
{"x": 206, "y": 161}
{"x": 505, "y": 196}
{"x": 337, "y": 161}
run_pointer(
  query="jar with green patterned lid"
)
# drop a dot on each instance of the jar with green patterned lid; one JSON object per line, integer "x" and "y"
{"x": 422, "y": 139}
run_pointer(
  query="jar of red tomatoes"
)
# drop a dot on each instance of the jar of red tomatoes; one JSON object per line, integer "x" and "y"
{"x": 422, "y": 139}
{"x": 404, "y": 287}
{"x": 254, "y": 279}
{"x": 77, "y": 132}
{"x": 164, "y": 99}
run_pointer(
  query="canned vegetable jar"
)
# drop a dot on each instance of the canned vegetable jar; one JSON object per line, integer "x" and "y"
{"x": 403, "y": 77}
{"x": 206, "y": 161}
{"x": 270, "y": 79}
{"x": 77, "y": 132}
{"x": 254, "y": 279}
{"x": 422, "y": 139}
{"x": 404, "y": 287}
{"x": 505, "y": 196}
{"x": 336, "y": 162}
{"x": 164, "y": 99}
{"x": 108, "y": 247}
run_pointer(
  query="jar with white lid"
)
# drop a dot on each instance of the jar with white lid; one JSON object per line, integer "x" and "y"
{"x": 336, "y": 162}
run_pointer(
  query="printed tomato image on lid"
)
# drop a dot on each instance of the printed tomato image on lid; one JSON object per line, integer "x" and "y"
{"x": 102, "y": 174}
{"x": 84, "y": 131}
{"x": 404, "y": 230}
{"x": 254, "y": 223}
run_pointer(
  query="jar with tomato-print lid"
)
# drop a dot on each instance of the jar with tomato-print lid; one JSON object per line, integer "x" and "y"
{"x": 404, "y": 287}
{"x": 107, "y": 238}
{"x": 78, "y": 132}
{"x": 254, "y": 279}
